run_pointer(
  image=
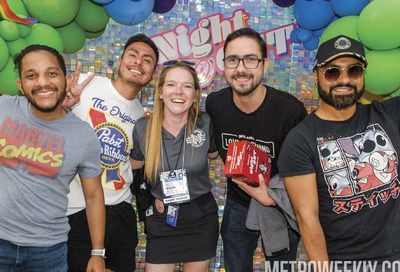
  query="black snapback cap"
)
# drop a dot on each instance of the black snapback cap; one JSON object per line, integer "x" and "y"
{"x": 337, "y": 47}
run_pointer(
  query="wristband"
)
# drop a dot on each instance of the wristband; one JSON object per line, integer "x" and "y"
{"x": 98, "y": 252}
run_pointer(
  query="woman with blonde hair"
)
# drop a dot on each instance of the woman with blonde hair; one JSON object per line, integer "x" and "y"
{"x": 174, "y": 145}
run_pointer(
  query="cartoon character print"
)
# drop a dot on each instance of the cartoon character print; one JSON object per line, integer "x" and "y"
{"x": 331, "y": 157}
{"x": 339, "y": 183}
{"x": 358, "y": 166}
{"x": 377, "y": 164}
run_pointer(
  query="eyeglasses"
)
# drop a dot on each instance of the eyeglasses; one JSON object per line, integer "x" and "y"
{"x": 353, "y": 71}
{"x": 248, "y": 62}
{"x": 169, "y": 63}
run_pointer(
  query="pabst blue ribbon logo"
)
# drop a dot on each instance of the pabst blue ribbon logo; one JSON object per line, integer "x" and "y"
{"x": 114, "y": 149}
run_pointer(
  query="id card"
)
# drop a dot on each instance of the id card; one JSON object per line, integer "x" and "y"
{"x": 174, "y": 186}
{"x": 149, "y": 211}
{"x": 172, "y": 215}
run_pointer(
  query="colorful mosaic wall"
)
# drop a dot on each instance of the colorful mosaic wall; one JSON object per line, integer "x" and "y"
{"x": 292, "y": 73}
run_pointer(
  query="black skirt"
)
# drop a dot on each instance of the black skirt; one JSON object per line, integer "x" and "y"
{"x": 193, "y": 239}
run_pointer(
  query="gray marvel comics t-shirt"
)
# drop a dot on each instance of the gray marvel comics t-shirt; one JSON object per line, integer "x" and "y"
{"x": 38, "y": 159}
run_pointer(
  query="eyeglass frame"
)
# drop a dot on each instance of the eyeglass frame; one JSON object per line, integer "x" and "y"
{"x": 243, "y": 61}
{"x": 342, "y": 69}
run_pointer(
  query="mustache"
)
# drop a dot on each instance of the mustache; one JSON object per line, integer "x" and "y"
{"x": 348, "y": 85}
{"x": 44, "y": 88}
{"x": 238, "y": 75}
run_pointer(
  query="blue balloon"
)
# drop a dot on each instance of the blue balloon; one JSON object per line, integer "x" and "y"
{"x": 348, "y": 7}
{"x": 311, "y": 44}
{"x": 102, "y": 2}
{"x": 128, "y": 12}
{"x": 293, "y": 35}
{"x": 318, "y": 33}
{"x": 304, "y": 35}
{"x": 313, "y": 14}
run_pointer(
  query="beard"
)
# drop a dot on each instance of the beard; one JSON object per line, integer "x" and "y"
{"x": 340, "y": 101}
{"x": 46, "y": 108}
{"x": 242, "y": 89}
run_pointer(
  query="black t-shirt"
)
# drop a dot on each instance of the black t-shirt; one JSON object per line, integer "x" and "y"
{"x": 266, "y": 127}
{"x": 356, "y": 164}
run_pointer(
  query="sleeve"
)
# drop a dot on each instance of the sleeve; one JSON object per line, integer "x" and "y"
{"x": 303, "y": 113}
{"x": 296, "y": 156}
{"x": 209, "y": 101}
{"x": 213, "y": 147}
{"x": 137, "y": 153}
{"x": 91, "y": 165}
{"x": 392, "y": 106}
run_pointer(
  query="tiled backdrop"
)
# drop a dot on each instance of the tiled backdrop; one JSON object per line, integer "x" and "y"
{"x": 292, "y": 74}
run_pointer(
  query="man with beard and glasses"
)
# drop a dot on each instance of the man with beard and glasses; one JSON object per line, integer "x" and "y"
{"x": 112, "y": 109}
{"x": 42, "y": 148}
{"x": 341, "y": 164}
{"x": 263, "y": 115}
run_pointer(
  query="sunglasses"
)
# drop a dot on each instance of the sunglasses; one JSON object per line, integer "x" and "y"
{"x": 169, "y": 63}
{"x": 353, "y": 71}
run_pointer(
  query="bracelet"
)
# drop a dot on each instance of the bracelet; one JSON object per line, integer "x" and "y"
{"x": 98, "y": 252}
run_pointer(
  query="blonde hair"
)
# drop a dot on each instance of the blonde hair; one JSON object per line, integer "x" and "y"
{"x": 154, "y": 127}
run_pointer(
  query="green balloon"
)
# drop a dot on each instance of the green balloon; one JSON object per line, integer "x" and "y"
{"x": 343, "y": 26}
{"x": 378, "y": 25}
{"x": 73, "y": 37}
{"x": 394, "y": 94}
{"x": 3, "y": 54}
{"x": 56, "y": 13}
{"x": 9, "y": 30}
{"x": 25, "y": 30}
{"x": 8, "y": 79}
{"x": 18, "y": 7}
{"x": 16, "y": 46}
{"x": 92, "y": 35}
{"x": 383, "y": 70}
{"x": 46, "y": 35}
{"x": 91, "y": 17}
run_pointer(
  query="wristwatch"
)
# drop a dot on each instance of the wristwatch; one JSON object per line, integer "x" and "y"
{"x": 98, "y": 252}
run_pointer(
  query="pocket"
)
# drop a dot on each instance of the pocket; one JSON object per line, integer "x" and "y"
{"x": 154, "y": 224}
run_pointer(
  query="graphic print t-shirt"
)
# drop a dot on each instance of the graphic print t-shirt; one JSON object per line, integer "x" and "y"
{"x": 356, "y": 162}
{"x": 38, "y": 160}
{"x": 266, "y": 127}
{"x": 113, "y": 118}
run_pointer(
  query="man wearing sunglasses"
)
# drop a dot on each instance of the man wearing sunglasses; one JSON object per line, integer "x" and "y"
{"x": 341, "y": 166}
{"x": 263, "y": 115}
{"x": 112, "y": 109}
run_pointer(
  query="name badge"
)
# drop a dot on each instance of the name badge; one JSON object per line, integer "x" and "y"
{"x": 174, "y": 186}
{"x": 172, "y": 215}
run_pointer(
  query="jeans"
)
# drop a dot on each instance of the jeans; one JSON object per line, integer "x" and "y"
{"x": 15, "y": 258}
{"x": 239, "y": 242}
